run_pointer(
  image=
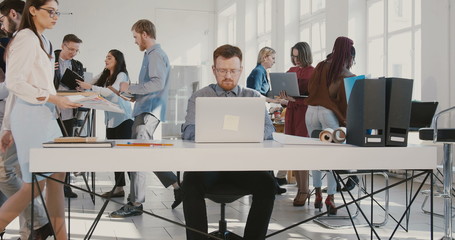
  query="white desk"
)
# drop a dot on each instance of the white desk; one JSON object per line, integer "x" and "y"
{"x": 269, "y": 155}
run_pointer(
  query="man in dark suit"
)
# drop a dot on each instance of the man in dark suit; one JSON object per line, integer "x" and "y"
{"x": 64, "y": 59}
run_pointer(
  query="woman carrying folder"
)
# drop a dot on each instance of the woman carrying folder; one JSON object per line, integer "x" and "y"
{"x": 30, "y": 117}
{"x": 118, "y": 125}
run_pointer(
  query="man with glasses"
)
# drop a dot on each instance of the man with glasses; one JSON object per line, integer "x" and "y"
{"x": 10, "y": 179}
{"x": 151, "y": 95}
{"x": 227, "y": 68}
{"x": 64, "y": 59}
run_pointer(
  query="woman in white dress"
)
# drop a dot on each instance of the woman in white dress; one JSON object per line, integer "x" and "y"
{"x": 30, "y": 117}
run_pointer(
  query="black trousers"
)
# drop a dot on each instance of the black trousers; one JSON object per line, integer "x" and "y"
{"x": 260, "y": 183}
{"x": 122, "y": 131}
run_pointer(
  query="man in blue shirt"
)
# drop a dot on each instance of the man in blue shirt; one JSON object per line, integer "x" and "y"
{"x": 150, "y": 95}
{"x": 227, "y": 69}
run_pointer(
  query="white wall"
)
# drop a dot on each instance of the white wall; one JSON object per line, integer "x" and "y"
{"x": 106, "y": 24}
{"x": 437, "y": 40}
{"x": 452, "y": 57}
{"x": 185, "y": 30}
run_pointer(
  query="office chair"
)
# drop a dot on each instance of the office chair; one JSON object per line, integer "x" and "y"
{"x": 224, "y": 194}
{"x": 361, "y": 186}
{"x": 361, "y": 189}
{"x": 447, "y": 137}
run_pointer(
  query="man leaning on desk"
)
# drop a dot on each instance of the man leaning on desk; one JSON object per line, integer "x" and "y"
{"x": 227, "y": 69}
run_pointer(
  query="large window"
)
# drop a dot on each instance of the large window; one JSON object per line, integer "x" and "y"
{"x": 264, "y": 23}
{"x": 227, "y": 26}
{"x": 312, "y": 27}
{"x": 393, "y": 47}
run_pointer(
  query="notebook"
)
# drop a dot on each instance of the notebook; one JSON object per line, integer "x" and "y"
{"x": 422, "y": 114}
{"x": 69, "y": 79}
{"x": 285, "y": 81}
{"x": 229, "y": 119}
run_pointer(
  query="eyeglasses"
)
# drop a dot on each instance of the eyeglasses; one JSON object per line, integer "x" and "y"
{"x": 71, "y": 49}
{"x": 52, "y": 12}
{"x": 292, "y": 56}
{"x": 225, "y": 71}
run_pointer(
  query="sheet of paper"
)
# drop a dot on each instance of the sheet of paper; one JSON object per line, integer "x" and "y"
{"x": 231, "y": 123}
{"x": 95, "y": 102}
{"x": 296, "y": 140}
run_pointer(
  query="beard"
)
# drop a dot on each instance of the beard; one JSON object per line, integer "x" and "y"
{"x": 12, "y": 27}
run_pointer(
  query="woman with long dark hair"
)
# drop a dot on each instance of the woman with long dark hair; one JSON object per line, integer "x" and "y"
{"x": 30, "y": 117}
{"x": 118, "y": 125}
{"x": 327, "y": 105}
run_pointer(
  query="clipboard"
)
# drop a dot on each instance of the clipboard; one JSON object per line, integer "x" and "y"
{"x": 69, "y": 79}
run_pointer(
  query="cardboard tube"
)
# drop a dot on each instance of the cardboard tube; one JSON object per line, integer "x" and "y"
{"x": 339, "y": 135}
{"x": 326, "y": 135}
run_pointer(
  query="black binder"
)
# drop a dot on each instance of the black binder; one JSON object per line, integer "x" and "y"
{"x": 69, "y": 79}
{"x": 398, "y": 111}
{"x": 366, "y": 113}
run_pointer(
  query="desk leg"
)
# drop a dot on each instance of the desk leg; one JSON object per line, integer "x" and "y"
{"x": 447, "y": 166}
{"x": 431, "y": 204}
{"x": 32, "y": 231}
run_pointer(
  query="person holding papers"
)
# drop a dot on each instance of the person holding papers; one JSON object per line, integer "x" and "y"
{"x": 327, "y": 105}
{"x": 118, "y": 125}
{"x": 64, "y": 59}
{"x": 294, "y": 124}
{"x": 150, "y": 95}
{"x": 10, "y": 179}
{"x": 32, "y": 119}
{"x": 227, "y": 69}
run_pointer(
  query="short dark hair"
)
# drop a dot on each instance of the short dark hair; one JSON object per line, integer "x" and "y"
{"x": 71, "y": 38}
{"x": 227, "y": 51}
{"x": 146, "y": 26}
{"x": 7, "y": 5}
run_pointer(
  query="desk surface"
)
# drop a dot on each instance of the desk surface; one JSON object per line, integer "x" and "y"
{"x": 269, "y": 155}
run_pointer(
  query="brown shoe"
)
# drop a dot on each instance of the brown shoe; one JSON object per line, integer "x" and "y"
{"x": 113, "y": 195}
{"x": 300, "y": 199}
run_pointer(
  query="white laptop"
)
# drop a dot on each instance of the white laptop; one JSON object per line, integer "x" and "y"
{"x": 285, "y": 81}
{"x": 230, "y": 119}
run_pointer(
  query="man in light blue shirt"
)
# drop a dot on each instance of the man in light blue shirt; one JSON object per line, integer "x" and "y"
{"x": 150, "y": 95}
{"x": 227, "y": 69}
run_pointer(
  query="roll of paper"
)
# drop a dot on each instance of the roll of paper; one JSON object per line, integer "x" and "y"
{"x": 326, "y": 135}
{"x": 339, "y": 135}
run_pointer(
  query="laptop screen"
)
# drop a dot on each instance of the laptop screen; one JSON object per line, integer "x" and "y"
{"x": 230, "y": 119}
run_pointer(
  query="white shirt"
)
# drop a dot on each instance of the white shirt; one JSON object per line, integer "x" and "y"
{"x": 30, "y": 72}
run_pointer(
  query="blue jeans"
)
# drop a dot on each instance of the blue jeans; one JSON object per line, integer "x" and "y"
{"x": 320, "y": 118}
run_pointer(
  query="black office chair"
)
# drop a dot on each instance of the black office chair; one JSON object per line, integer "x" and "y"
{"x": 447, "y": 137}
{"x": 345, "y": 174}
{"x": 224, "y": 194}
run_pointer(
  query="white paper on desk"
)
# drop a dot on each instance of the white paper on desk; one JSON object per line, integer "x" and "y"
{"x": 296, "y": 140}
{"x": 95, "y": 102}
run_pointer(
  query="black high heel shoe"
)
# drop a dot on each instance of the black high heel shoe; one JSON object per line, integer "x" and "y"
{"x": 1, "y": 234}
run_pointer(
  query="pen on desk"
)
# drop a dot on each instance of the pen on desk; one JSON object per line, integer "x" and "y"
{"x": 130, "y": 144}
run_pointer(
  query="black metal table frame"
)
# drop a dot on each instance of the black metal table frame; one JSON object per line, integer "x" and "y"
{"x": 354, "y": 200}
